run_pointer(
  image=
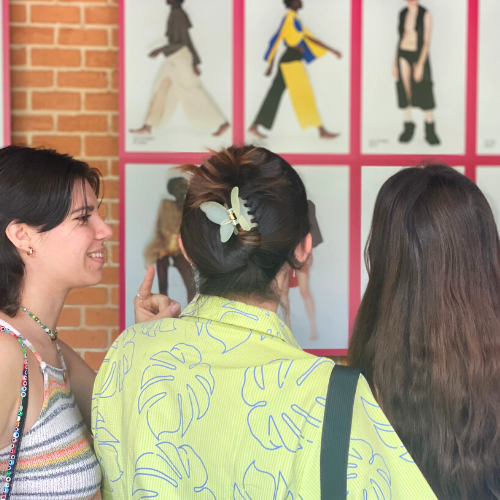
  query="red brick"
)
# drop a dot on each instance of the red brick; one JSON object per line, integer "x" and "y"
{"x": 100, "y": 165}
{"x": 19, "y": 140}
{"x": 115, "y": 38}
{"x": 32, "y": 78}
{"x": 18, "y": 57}
{"x": 87, "y": 296}
{"x": 80, "y": 339}
{"x": 115, "y": 123}
{"x": 111, "y": 275}
{"x": 56, "y": 100}
{"x": 29, "y": 34}
{"x": 70, "y": 316}
{"x": 82, "y": 79}
{"x": 17, "y": 13}
{"x": 107, "y": 101}
{"x": 115, "y": 80}
{"x": 62, "y": 143}
{"x": 101, "y": 58}
{"x": 115, "y": 211}
{"x": 101, "y": 15}
{"x": 18, "y": 100}
{"x": 94, "y": 359}
{"x": 101, "y": 316}
{"x": 115, "y": 257}
{"x": 101, "y": 146}
{"x": 111, "y": 189}
{"x": 34, "y": 122}
{"x": 82, "y": 123}
{"x": 69, "y": 36}
{"x": 55, "y": 57}
{"x": 54, "y": 14}
{"x": 115, "y": 168}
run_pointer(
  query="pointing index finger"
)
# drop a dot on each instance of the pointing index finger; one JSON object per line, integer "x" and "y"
{"x": 147, "y": 284}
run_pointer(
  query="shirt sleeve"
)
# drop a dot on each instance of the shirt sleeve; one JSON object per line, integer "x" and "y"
{"x": 186, "y": 39}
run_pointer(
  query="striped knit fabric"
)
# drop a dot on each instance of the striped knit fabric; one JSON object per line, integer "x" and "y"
{"x": 56, "y": 458}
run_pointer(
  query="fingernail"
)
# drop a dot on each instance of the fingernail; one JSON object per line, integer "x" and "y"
{"x": 175, "y": 308}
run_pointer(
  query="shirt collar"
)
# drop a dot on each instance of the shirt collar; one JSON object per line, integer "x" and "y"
{"x": 259, "y": 321}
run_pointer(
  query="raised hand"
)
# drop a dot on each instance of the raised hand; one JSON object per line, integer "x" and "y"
{"x": 152, "y": 306}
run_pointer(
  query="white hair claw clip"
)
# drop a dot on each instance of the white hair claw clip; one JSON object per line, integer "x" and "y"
{"x": 229, "y": 218}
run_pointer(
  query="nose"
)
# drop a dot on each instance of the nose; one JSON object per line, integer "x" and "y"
{"x": 103, "y": 231}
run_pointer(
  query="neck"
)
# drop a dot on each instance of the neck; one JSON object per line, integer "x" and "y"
{"x": 249, "y": 301}
{"x": 43, "y": 302}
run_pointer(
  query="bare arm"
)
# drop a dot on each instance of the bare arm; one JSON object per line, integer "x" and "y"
{"x": 424, "y": 54}
{"x": 81, "y": 379}
{"x": 326, "y": 47}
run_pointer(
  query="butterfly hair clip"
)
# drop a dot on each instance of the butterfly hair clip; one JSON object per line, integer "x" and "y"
{"x": 229, "y": 218}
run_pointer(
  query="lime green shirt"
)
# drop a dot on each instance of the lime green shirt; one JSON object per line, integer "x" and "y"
{"x": 223, "y": 404}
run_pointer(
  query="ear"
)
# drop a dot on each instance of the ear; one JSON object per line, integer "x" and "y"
{"x": 181, "y": 245}
{"x": 19, "y": 235}
{"x": 304, "y": 249}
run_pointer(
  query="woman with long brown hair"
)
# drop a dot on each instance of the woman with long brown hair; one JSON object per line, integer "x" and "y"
{"x": 428, "y": 330}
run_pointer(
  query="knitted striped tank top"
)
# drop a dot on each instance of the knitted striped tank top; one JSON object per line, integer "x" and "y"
{"x": 56, "y": 459}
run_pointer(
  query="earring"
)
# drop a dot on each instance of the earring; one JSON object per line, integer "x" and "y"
{"x": 294, "y": 273}
{"x": 30, "y": 251}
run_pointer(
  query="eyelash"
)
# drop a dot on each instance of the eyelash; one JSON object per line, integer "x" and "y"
{"x": 83, "y": 219}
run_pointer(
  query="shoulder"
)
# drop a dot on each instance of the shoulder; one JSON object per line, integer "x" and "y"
{"x": 11, "y": 367}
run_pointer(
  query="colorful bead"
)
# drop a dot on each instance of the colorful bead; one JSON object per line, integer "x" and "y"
{"x": 52, "y": 334}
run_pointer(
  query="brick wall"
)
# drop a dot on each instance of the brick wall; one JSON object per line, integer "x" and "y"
{"x": 64, "y": 73}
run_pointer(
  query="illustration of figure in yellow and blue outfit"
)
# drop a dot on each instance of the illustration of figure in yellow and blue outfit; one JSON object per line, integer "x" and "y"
{"x": 292, "y": 75}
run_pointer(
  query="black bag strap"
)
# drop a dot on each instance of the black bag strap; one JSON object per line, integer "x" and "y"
{"x": 337, "y": 431}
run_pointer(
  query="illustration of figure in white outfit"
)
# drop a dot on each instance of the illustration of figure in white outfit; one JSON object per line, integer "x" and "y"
{"x": 178, "y": 80}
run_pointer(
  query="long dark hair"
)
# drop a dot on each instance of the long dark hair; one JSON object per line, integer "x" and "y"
{"x": 427, "y": 333}
{"x": 248, "y": 263}
{"x": 36, "y": 187}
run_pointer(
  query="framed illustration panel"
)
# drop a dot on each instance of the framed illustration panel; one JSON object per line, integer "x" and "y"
{"x": 488, "y": 180}
{"x": 488, "y": 97}
{"x": 413, "y": 104}
{"x": 177, "y": 92}
{"x": 290, "y": 105}
{"x": 317, "y": 298}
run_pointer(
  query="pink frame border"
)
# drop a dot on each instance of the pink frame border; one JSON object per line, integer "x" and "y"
{"x": 355, "y": 160}
{"x": 6, "y": 72}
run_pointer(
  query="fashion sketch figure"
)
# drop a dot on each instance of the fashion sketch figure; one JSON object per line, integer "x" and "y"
{"x": 178, "y": 80}
{"x": 301, "y": 46}
{"x": 301, "y": 279}
{"x": 412, "y": 70}
{"x": 164, "y": 250}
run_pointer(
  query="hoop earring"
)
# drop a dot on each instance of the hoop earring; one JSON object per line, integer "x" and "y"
{"x": 30, "y": 251}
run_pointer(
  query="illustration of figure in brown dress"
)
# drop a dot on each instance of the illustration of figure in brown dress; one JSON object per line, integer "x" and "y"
{"x": 164, "y": 250}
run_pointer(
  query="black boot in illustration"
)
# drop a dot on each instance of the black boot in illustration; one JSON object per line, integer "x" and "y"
{"x": 407, "y": 134}
{"x": 430, "y": 134}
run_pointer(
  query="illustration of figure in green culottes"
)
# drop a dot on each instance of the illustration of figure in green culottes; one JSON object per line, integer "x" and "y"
{"x": 302, "y": 47}
{"x": 412, "y": 70}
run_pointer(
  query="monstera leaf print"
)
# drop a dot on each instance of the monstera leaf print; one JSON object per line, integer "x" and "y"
{"x": 176, "y": 388}
{"x": 170, "y": 472}
{"x": 368, "y": 477}
{"x": 275, "y": 421}
{"x": 261, "y": 485}
{"x": 159, "y": 326}
{"x": 117, "y": 364}
{"x": 108, "y": 448}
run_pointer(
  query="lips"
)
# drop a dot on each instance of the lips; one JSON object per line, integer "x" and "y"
{"x": 99, "y": 254}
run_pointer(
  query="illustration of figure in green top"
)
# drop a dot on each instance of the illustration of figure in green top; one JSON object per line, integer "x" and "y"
{"x": 178, "y": 80}
{"x": 292, "y": 75}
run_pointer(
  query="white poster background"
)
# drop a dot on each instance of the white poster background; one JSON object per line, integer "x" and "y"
{"x": 488, "y": 180}
{"x": 212, "y": 36}
{"x": 372, "y": 179}
{"x": 327, "y": 187}
{"x": 330, "y": 78}
{"x": 382, "y": 120}
{"x": 488, "y": 104}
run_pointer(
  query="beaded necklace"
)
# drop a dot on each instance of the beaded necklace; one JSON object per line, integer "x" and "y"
{"x": 52, "y": 334}
{"x": 20, "y": 420}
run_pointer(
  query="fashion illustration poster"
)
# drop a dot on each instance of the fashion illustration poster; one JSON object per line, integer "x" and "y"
{"x": 414, "y": 76}
{"x": 178, "y": 75}
{"x": 154, "y": 196}
{"x": 372, "y": 179}
{"x": 316, "y": 300}
{"x": 297, "y": 75}
{"x": 488, "y": 98}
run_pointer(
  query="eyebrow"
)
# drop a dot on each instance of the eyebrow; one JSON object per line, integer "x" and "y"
{"x": 87, "y": 208}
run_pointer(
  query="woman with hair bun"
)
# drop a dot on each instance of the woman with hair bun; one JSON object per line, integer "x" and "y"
{"x": 222, "y": 402}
